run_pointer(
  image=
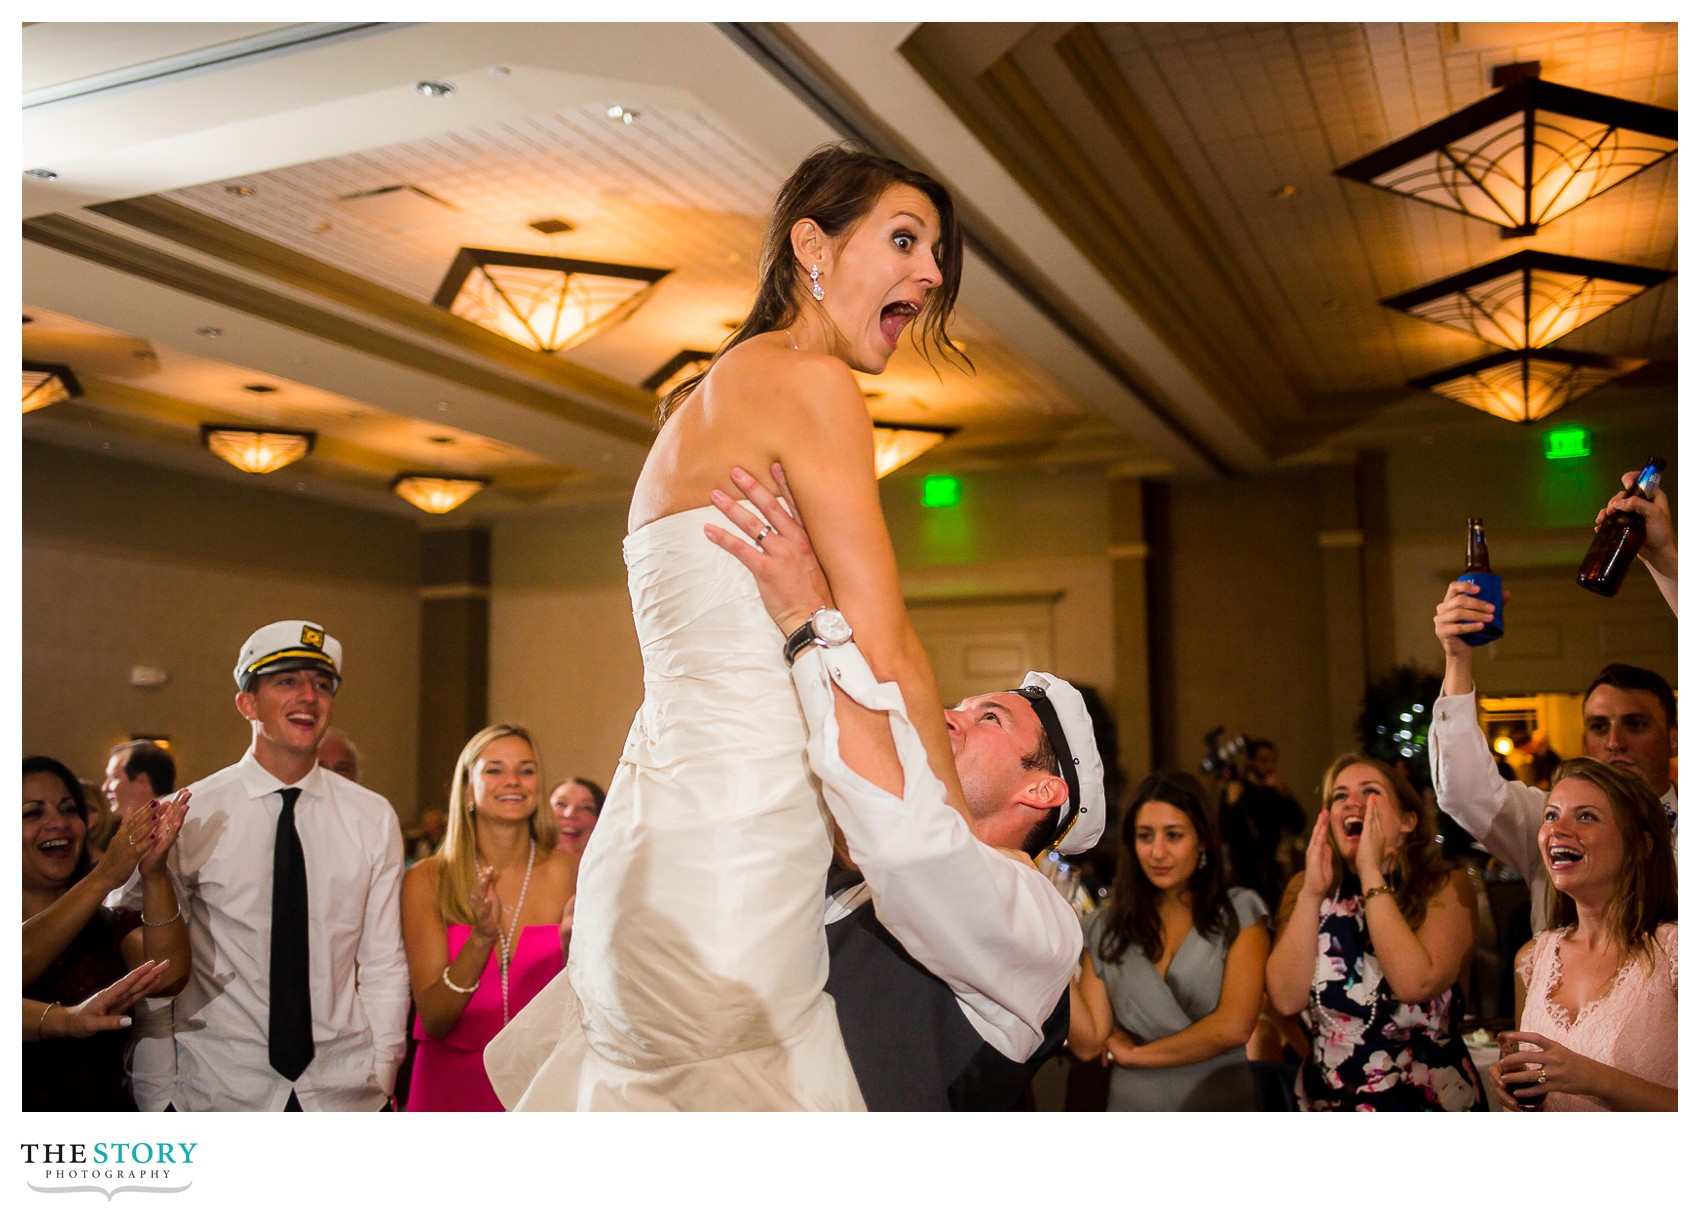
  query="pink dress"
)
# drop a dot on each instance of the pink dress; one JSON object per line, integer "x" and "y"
{"x": 1632, "y": 1026}
{"x": 448, "y": 1074}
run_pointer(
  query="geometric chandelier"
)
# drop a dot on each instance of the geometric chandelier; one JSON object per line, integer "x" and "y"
{"x": 1524, "y": 155}
{"x": 46, "y": 383}
{"x": 255, "y": 449}
{"x": 1527, "y": 385}
{"x": 543, "y": 303}
{"x": 898, "y": 444}
{"x": 435, "y": 493}
{"x": 1529, "y": 299}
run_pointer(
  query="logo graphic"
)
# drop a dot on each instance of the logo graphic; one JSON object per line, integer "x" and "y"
{"x": 313, "y": 637}
{"x": 110, "y": 1167}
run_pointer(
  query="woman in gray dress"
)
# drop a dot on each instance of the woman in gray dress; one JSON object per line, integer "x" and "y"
{"x": 1173, "y": 978}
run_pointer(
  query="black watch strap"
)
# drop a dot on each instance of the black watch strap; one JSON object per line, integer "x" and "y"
{"x": 799, "y": 640}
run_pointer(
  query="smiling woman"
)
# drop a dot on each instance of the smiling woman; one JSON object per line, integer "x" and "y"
{"x": 1372, "y": 938}
{"x": 1597, "y": 996}
{"x": 481, "y": 918}
{"x": 74, "y": 947}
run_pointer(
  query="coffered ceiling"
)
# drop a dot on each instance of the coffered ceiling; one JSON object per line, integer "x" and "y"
{"x": 1163, "y": 274}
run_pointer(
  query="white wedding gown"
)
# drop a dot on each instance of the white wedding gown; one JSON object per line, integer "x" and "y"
{"x": 698, "y": 960}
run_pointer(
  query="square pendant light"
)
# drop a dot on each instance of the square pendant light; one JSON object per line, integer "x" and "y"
{"x": 544, "y": 303}
{"x": 1524, "y": 155}
{"x": 896, "y": 445}
{"x": 1526, "y": 385}
{"x": 676, "y": 370}
{"x": 1529, "y": 299}
{"x": 256, "y": 450}
{"x": 48, "y": 383}
{"x": 436, "y": 494}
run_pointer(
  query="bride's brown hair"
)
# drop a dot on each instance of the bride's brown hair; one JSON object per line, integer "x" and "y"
{"x": 836, "y": 187}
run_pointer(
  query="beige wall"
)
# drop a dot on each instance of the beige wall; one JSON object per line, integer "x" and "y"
{"x": 126, "y": 565}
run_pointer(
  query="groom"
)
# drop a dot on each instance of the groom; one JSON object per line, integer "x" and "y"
{"x": 950, "y": 952}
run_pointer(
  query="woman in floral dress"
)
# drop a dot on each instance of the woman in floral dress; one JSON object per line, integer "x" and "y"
{"x": 1372, "y": 937}
{"x": 1597, "y": 993}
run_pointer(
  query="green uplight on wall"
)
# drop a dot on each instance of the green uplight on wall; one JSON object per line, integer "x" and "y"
{"x": 1569, "y": 442}
{"x": 940, "y": 492}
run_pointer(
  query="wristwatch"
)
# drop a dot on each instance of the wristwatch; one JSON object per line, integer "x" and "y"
{"x": 826, "y": 627}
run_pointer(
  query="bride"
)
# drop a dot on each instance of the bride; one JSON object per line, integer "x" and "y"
{"x": 698, "y": 960}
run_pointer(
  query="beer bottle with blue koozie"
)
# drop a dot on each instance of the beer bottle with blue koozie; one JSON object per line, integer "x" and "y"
{"x": 1612, "y": 554}
{"x": 1478, "y": 570}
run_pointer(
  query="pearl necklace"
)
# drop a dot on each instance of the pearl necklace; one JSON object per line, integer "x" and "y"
{"x": 507, "y": 938}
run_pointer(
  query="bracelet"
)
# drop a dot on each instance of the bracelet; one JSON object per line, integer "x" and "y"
{"x": 450, "y": 982}
{"x": 1370, "y": 894}
{"x": 165, "y": 922}
{"x": 41, "y": 1024}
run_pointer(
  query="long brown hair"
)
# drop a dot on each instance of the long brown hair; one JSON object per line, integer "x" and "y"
{"x": 1646, "y": 885}
{"x": 458, "y": 856}
{"x": 1133, "y": 915}
{"x": 836, "y": 186}
{"x": 1420, "y": 868}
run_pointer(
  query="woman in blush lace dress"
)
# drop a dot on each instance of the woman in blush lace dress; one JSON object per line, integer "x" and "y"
{"x": 1372, "y": 938}
{"x": 1598, "y": 992}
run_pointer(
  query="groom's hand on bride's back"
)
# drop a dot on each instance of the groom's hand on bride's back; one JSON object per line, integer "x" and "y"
{"x": 778, "y": 555}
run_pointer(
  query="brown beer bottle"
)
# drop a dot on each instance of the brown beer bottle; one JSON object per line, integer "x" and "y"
{"x": 1478, "y": 569}
{"x": 1619, "y": 539}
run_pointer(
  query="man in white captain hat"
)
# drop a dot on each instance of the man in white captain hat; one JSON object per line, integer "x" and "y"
{"x": 293, "y": 873}
{"x": 950, "y": 953}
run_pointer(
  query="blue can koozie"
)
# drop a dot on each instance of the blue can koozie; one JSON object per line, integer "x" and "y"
{"x": 1491, "y": 591}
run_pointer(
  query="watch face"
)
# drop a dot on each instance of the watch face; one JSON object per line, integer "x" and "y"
{"x": 831, "y": 627}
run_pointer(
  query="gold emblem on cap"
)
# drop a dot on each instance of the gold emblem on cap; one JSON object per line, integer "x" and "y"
{"x": 314, "y": 637}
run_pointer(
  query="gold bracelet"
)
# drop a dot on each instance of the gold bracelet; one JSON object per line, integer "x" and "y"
{"x": 1370, "y": 894}
{"x": 41, "y": 1024}
{"x": 167, "y": 922}
{"x": 450, "y": 982}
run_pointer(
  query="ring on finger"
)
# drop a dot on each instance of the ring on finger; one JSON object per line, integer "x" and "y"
{"x": 1541, "y": 1076}
{"x": 766, "y": 530}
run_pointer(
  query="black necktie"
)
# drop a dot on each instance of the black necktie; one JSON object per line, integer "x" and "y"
{"x": 290, "y": 1029}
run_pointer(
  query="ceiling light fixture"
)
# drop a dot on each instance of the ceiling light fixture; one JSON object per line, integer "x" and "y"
{"x": 1526, "y": 385}
{"x": 434, "y": 88}
{"x": 546, "y": 303}
{"x": 1529, "y": 299}
{"x": 48, "y": 383}
{"x": 676, "y": 370}
{"x": 436, "y": 494}
{"x": 41, "y": 174}
{"x": 1524, "y": 155}
{"x": 623, "y": 114}
{"x": 256, "y": 450}
{"x": 896, "y": 445}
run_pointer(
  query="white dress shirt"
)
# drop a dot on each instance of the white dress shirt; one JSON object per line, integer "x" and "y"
{"x": 990, "y": 927}
{"x": 223, "y": 864}
{"x": 1503, "y": 815}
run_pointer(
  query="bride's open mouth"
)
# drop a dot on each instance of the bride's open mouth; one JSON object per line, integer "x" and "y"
{"x": 893, "y": 318}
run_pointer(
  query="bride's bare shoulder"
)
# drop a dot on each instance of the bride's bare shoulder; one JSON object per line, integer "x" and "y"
{"x": 764, "y": 371}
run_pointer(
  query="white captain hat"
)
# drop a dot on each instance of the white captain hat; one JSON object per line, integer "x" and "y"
{"x": 1062, "y": 713}
{"x": 290, "y": 644}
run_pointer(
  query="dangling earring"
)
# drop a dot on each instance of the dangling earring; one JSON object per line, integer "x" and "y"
{"x": 815, "y": 287}
{"x": 1203, "y": 861}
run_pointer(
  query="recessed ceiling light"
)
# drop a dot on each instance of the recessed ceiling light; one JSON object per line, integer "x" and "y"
{"x": 550, "y": 227}
{"x": 434, "y": 88}
{"x": 1283, "y": 192}
{"x": 208, "y": 330}
{"x": 441, "y": 439}
{"x": 621, "y": 113}
{"x": 240, "y": 191}
{"x": 41, "y": 174}
{"x": 259, "y": 389}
